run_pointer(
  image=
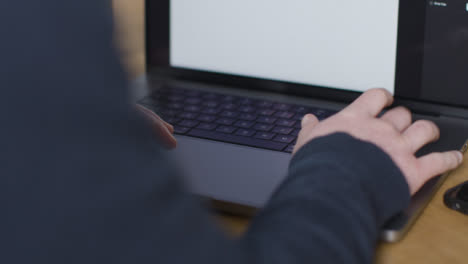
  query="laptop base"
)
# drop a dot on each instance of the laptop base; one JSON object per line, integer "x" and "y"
{"x": 242, "y": 178}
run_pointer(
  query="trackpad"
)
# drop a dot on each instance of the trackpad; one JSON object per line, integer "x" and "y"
{"x": 226, "y": 172}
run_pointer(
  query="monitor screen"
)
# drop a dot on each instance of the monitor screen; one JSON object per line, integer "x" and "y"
{"x": 348, "y": 45}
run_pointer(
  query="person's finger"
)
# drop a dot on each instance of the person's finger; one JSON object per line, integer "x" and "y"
{"x": 168, "y": 126}
{"x": 149, "y": 112}
{"x": 146, "y": 110}
{"x": 421, "y": 133}
{"x": 166, "y": 137}
{"x": 435, "y": 164}
{"x": 164, "y": 131}
{"x": 309, "y": 120}
{"x": 399, "y": 117}
{"x": 371, "y": 103}
{"x": 153, "y": 114}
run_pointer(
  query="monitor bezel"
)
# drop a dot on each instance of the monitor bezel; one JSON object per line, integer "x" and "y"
{"x": 409, "y": 61}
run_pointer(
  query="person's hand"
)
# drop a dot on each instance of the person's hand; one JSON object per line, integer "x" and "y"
{"x": 164, "y": 131}
{"x": 394, "y": 133}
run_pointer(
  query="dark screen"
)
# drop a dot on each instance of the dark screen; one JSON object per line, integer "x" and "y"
{"x": 445, "y": 66}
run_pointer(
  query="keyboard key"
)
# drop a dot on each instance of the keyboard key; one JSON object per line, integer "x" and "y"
{"x": 302, "y": 109}
{"x": 283, "y": 130}
{"x": 225, "y": 121}
{"x": 171, "y": 90}
{"x": 285, "y": 115}
{"x": 181, "y": 130}
{"x": 179, "y": 90}
{"x": 298, "y": 117}
{"x": 175, "y": 98}
{"x": 229, "y": 114}
{"x": 290, "y": 148}
{"x": 318, "y": 112}
{"x": 192, "y": 108}
{"x": 210, "y": 96}
{"x": 248, "y": 141}
{"x": 263, "y": 127}
{"x": 329, "y": 114}
{"x": 229, "y": 98}
{"x": 211, "y": 111}
{"x": 245, "y": 132}
{"x": 188, "y": 115}
{"x": 206, "y": 118}
{"x": 265, "y": 135}
{"x": 287, "y": 123}
{"x": 247, "y": 101}
{"x": 169, "y": 113}
{"x": 207, "y": 126}
{"x": 247, "y": 109}
{"x": 172, "y": 120}
{"x": 282, "y": 107}
{"x": 176, "y": 106}
{"x": 322, "y": 114}
{"x": 266, "y": 120}
{"x": 264, "y": 104}
{"x": 295, "y": 132}
{"x": 188, "y": 123}
{"x": 164, "y": 99}
{"x": 226, "y": 129}
{"x": 266, "y": 112}
{"x": 192, "y": 100}
{"x": 244, "y": 124}
{"x": 210, "y": 104}
{"x": 284, "y": 139}
{"x": 229, "y": 106}
{"x": 248, "y": 117}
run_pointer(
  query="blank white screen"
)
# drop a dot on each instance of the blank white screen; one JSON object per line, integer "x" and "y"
{"x": 342, "y": 44}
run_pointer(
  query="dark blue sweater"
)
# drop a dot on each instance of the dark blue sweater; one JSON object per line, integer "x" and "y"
{"x": 83, "y": 180}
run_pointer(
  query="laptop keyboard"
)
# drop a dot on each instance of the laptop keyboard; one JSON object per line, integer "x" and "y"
{"x": 239, "y": 120}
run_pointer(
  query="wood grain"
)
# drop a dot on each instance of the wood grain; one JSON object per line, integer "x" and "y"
{"x": 439, "y": 236}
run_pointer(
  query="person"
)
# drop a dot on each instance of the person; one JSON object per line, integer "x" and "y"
{"x": 84, "y": 179}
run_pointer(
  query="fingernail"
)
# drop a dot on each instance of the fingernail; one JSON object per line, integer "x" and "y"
{"x": 306, "y": 120}
{"x": 460, "y": 157}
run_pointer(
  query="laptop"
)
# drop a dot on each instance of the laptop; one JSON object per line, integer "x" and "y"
{"x": 236, "y": 77}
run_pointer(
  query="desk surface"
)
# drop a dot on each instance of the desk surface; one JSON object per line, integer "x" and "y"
{"x": 439, "y": 236}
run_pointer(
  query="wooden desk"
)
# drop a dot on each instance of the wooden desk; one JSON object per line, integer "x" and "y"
{"x": 439, "y": 236}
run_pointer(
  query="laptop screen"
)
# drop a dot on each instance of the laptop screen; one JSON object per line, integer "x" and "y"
{"x": 417, "y": 50}
{"x": 349, "y": 45}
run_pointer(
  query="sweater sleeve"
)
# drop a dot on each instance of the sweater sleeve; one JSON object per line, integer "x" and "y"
{"x": 339, "y": 193}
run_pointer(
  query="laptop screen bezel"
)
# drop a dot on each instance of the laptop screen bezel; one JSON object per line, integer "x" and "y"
{"x": 409, "y": 61}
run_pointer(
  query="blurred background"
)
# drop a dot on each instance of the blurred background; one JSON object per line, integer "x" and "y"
{"x": 129, "y": 17}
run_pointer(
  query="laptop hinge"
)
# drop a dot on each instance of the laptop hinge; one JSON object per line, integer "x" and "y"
{"x": 434, "y": 110}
